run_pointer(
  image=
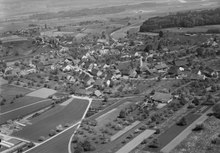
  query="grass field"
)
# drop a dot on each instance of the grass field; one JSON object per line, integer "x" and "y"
{"x": 42, "y": 93}
{"x": 172, "y": 132}
{"x": 19, "y": 102}
{"x": 185, "y": 133}
{"x": 9, "y": 90}
{"x": 201, "y": 141}
{"x": 136, "y": 141}
{"x": 123, "y": 131}
{"x": 19, "y": 112}
{"x": 59, "y": 115}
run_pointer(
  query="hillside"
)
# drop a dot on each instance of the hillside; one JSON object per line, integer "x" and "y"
{"x": 183, "y": 19}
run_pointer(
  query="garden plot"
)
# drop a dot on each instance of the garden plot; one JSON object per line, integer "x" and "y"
{"x": 123, "y": 131}
{"x": 42, "y": 93}
{"x": 136, "y": 141}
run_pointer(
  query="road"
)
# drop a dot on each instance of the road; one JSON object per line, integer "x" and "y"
{"x": 59, "y": 143}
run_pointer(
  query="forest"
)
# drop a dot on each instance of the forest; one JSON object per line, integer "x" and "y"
{"x": 183, "y": 19}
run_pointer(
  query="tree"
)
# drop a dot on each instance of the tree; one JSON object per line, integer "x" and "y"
{"x": 195, "y": 101}
{"x": 52, "y": 133}
{"x": 105, "y": 99}
{"x": 154, "y": 144}
{"x": 122, "y": 114}
{"x": 78, "y": 148}
{"x": 182, "y": 122}
{"x": 87, "y": 146}
{"x": 216, "y": 110}
{"x": 198, "y": 127}
{"x": 42, "y": 138}
{"x": 161, "y": 34}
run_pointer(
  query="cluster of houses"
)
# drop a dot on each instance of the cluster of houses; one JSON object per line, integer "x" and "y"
{"x": 84, "y": 66}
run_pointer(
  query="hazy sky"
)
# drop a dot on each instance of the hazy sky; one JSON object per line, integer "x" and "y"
{"x": 22, "y": 7}
{"x": 25, "y": 7}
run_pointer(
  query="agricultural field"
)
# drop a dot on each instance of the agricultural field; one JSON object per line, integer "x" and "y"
{"x": 19, "y": 102}
{"x": 201, "y": 141}
{"x": 42, "y": 93}
{"x": 59, "y": 115}
{"x": 10, "y": 95}
{"x": 24, "y": 110}
{"x": 172, "y": 132}
{"x": 9, "y": 90}
{"x": 136, "y": 141}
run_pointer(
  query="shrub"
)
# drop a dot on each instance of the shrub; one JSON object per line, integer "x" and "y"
{"x": 216, "y": 110}
{"x": 154, "y": 144}
{"x": 182, "y": 122}
{"x": 52, "y": 133}
{"x": 87, "y": 146}
{"x": 199, "y": 127}
{"x": 41, "y": 138}
{"x": 191, "y": 106}
{"x": 157, "y": 131}
{"x": 216, "y": 140}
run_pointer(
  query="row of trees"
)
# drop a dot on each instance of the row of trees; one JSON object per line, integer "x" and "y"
{"x": 183, "y": 19}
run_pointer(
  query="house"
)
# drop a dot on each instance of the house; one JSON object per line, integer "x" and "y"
{"x": 94, "y": 71}
{"x": 68, "y": 68}
{"x": 71, "y": 78}
{"x": 173, "y": 71}
{"x": 133, "y": 73}
{"x": 80, "y": 92}
{"x": 124, "y": 67}
{"x": 162, "y": 97}
{"x": 181, "y": 63}
{"x": 161, "y": 66}
{"x": 98, "y": 83}
{"x": 208, "y": 72}
{"x": 98, "y": 93}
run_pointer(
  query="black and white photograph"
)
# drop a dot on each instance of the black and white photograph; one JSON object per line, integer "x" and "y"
{"x": 109, "y": 76}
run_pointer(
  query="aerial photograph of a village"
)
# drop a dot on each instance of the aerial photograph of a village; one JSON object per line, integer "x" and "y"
{"x": 109, "y": 76}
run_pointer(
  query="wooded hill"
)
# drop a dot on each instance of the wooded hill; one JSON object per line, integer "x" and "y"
{"x": 183, "y": 19}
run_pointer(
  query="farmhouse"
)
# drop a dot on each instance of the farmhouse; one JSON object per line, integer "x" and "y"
{"x": 162, "y": 97}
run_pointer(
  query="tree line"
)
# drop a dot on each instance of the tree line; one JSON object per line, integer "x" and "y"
{"x": 183, "y": 19}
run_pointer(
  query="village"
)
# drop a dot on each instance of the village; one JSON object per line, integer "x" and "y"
{"x": 114, "y": 89}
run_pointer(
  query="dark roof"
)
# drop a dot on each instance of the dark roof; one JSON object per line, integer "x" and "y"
{"x": 173, "y": 70}
{"x": 181, "y": 63}
{"x": 98, "y": 82}
{"x": 124, "y": 65}
{"x": 94, "y": 71}
{"x": 162, "y": 97}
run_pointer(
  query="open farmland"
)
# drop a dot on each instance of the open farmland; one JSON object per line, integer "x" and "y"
{"x": 42, "y": 93}
{"x": 172, "y": 132}
{"x": 19, "y": 102}
{"x": 60, "y": 115}
{"x": 9, "y": 90}
{"x": 200, "y": 141}
{"x": 184, "y": 133}
{"x": 23, "y": 111}
{"x": 136, "y": 141}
